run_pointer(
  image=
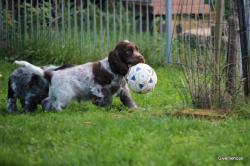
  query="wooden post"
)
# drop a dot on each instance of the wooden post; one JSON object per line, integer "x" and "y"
{"x": 244, "y": 49}
{"x": 218, "y": 35}
{"x": 232, "y": 56}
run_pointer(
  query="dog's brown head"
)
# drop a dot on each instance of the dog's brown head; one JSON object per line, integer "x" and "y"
{"x": 124, "y": 55}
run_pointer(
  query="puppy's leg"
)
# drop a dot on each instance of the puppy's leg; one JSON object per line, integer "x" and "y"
{"x": 47, "y": 104}
{"x": 11, "y": 103}
{"x": 30, "y": 107}
{"x": 56, "y": 102}
{"x": 30, "y": 104}
{"x": 60, "y": 104}
{"x": 126, "y": 98}
{"x": 22, "y": 101}
{"x": 106, "y": 100}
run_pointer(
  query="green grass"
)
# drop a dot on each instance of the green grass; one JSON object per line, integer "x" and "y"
{"x": 87, "y": 135}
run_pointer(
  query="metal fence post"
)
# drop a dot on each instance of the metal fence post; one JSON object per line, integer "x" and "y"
{"x": 161, "y": 17}
{"x": 25, "y": 19}
{"x": 1, "y": 26}
{"x": 88, "y": 24}
{"x": 127, "y": 20}
{"x": 5, "y": 26}
{"x": 168, "y": 31}
{"x": 44, "y": 21}
{"x": 56, "y": 16}
{"x": 69, "y": 23}
{"x": 75, "y": 24}
{"x": 81, "y": 16}
{"x": 140, "y": 22}
{"x": 49, "y": 21}
{"x": 101, "y": 31}
{"x": 107, "y": 24}
{"x": 31, "y": 19}
{"x": 18, "y": 19}
{"x": 94, "y": 23}
{"x": 147, "y": 24}
{"x": 134, "y": 23}
{"x": 37, "y": 17}
{"x": 114, "y": 22}
{"x": 247, "y": 10}
{"x": 13, "y": 19}
{"x": 120, "y": 21}
{"x": 62, "y": 23}
{"x": 50, "y": 18}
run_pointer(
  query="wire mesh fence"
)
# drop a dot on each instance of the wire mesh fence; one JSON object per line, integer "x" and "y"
{"x": 81, "y": 23}
{"x": 201, "y": 43}
{"x": 209, "y": 45}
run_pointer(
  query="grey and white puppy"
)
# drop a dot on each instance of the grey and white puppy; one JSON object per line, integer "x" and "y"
{"x": 29, "y": 88}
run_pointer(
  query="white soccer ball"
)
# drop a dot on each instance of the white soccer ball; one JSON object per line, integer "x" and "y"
{"x": 141, "y": 78}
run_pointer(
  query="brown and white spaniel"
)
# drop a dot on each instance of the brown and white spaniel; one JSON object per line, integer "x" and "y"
{"x": 96, "y": 81}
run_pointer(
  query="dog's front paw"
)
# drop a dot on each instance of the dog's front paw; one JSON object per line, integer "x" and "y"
{"x": 46, "y": 105}
{"x": 11, "y": 105}
{"x": 101, "y": 102}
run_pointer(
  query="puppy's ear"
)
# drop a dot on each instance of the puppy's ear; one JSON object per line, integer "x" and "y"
{"x": 116, "y": 64}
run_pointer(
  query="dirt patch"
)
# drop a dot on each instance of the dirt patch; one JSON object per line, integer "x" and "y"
{"x": 203, "y": 113}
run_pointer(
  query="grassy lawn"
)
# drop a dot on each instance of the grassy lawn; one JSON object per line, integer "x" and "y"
{"x": 87, "y": 135}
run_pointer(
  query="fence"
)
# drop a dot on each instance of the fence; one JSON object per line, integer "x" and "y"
{"x": 88, "y": 24}
{"x": 84, "y": 24}
{"x": 214, "y": 57}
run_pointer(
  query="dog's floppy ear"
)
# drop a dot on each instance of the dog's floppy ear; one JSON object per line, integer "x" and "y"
{"x": 116, "y": 64}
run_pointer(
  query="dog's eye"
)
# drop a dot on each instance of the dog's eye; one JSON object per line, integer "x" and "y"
{"x": 129, "y": 52}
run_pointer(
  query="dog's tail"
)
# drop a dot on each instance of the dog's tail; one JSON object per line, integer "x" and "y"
{"x": 34, "y": 69}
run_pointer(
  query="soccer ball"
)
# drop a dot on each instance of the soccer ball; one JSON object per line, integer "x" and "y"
{"x": 141, "y": 78}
